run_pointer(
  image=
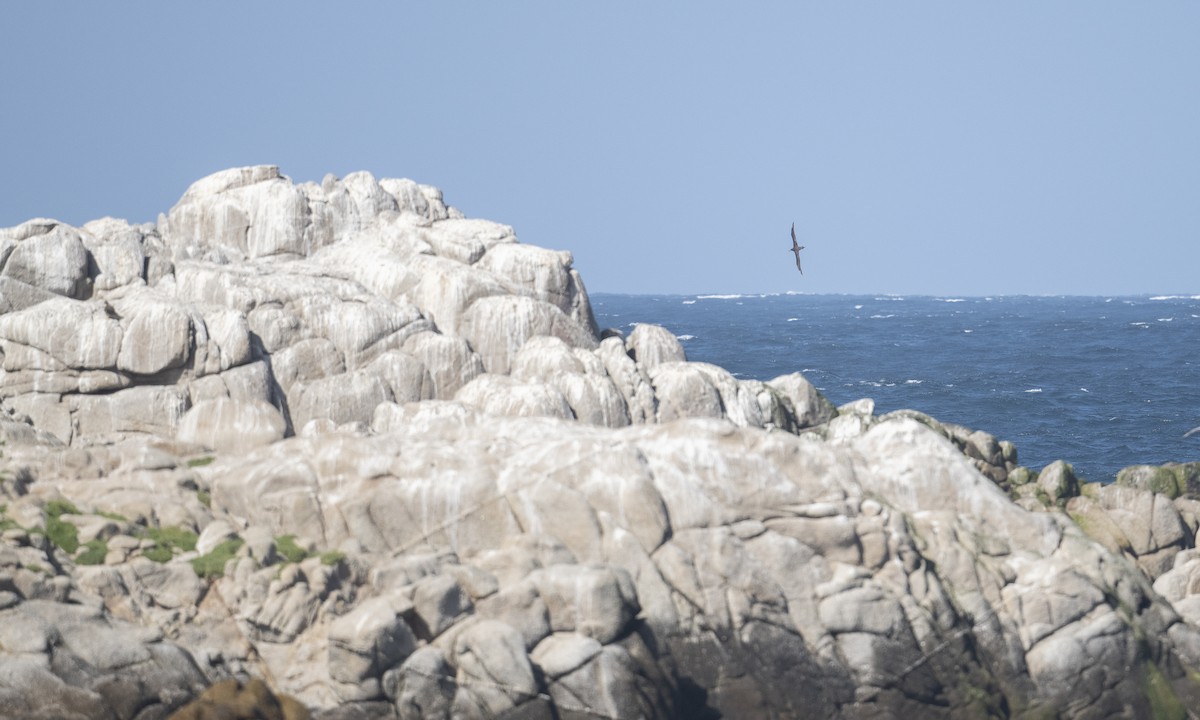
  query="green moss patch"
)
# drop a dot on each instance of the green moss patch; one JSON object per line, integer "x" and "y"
{"x": 7, "y": 523}
{"x": 64, "y": 535}
{"x": 286, "y": 546}
{"x": 1164, "y": 703}
{"x": 333, "y": 557}
{"x": 212, "y": 565}
{"x": 200, "y": 461}
{"x": 55, "y": 508}
{"x": 158, "y": 553}
{"x": 167, "y": 541}
{"x": 172, "y": 537}
{"x": 94, "y": 553}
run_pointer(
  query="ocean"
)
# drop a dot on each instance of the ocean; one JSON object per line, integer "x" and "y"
{"x": 1101, "y": 382}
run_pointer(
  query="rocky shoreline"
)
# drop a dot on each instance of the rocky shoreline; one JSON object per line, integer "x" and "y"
{"x": 336, "y": 451}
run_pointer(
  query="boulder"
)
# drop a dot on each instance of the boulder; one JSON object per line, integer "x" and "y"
{"x": 66, "y": 660}
{"x": 243, "y": 213}
{"x": 497, "y": 327}
{"x": 228, "y": 425}
{"x": 369, "y": 640}
{"x": 652, "y": 345}
{"x": 47, "y": 255}
{"x": 156, "y": 336}
{"x": 806, "y": 404}
{"x": 1057, "y": 480}
{"x": 60, "y": 333}
{"x": 118, "y": 254}
{"x": 502, "y": 395}
{"x": 450, "y": 362}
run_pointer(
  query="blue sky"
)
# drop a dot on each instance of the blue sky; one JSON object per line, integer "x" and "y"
{"x": 920, "y": 147}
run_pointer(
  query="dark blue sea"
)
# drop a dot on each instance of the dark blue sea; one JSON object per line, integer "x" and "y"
{"x": 1101, "y": 382}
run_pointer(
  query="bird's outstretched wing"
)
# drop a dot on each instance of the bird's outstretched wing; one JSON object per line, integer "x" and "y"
{"x": 794, "y": 243}
{"x": 1192, "y": 432}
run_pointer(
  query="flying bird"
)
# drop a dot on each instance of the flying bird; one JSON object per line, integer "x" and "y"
{"x": 796, "y": 248}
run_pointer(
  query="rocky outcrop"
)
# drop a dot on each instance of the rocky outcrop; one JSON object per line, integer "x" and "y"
{"x": 336, "y": 446}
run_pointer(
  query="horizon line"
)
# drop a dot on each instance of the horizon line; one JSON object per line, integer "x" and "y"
{"x": 983, "y": 296}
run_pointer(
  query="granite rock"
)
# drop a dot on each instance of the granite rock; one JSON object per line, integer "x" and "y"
{"x": 339, "y": 437}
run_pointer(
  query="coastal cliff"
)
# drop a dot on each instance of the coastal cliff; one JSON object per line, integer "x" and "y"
{"x": 344, "y": 441}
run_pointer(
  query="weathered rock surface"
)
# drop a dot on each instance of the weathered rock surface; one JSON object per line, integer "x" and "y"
{"x": 340, "y": 438}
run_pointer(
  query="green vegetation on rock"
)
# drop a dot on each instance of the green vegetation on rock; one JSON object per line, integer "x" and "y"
{"x": 167, "y": 540}
{"x": 55, "y": 508}
{"x": 200, "y": 461}
{"x": 1021, "y": 475}
{"x": 63, "y": 534}
{"x": 333, "y": 557}
{"x": 158, "y": 553}
{"x": 94, "y": 553}
{"x": 1172, "y": 479}
{"x": 7, "y": 523}
{"x": 1164, "y": 703}
{"x": 1154, "y": 478}
{"x": 205, "y": 498}
{"x": 172, "y": 537}
{"x": 212, "y": 565}
{"x": 286, "y": 546}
